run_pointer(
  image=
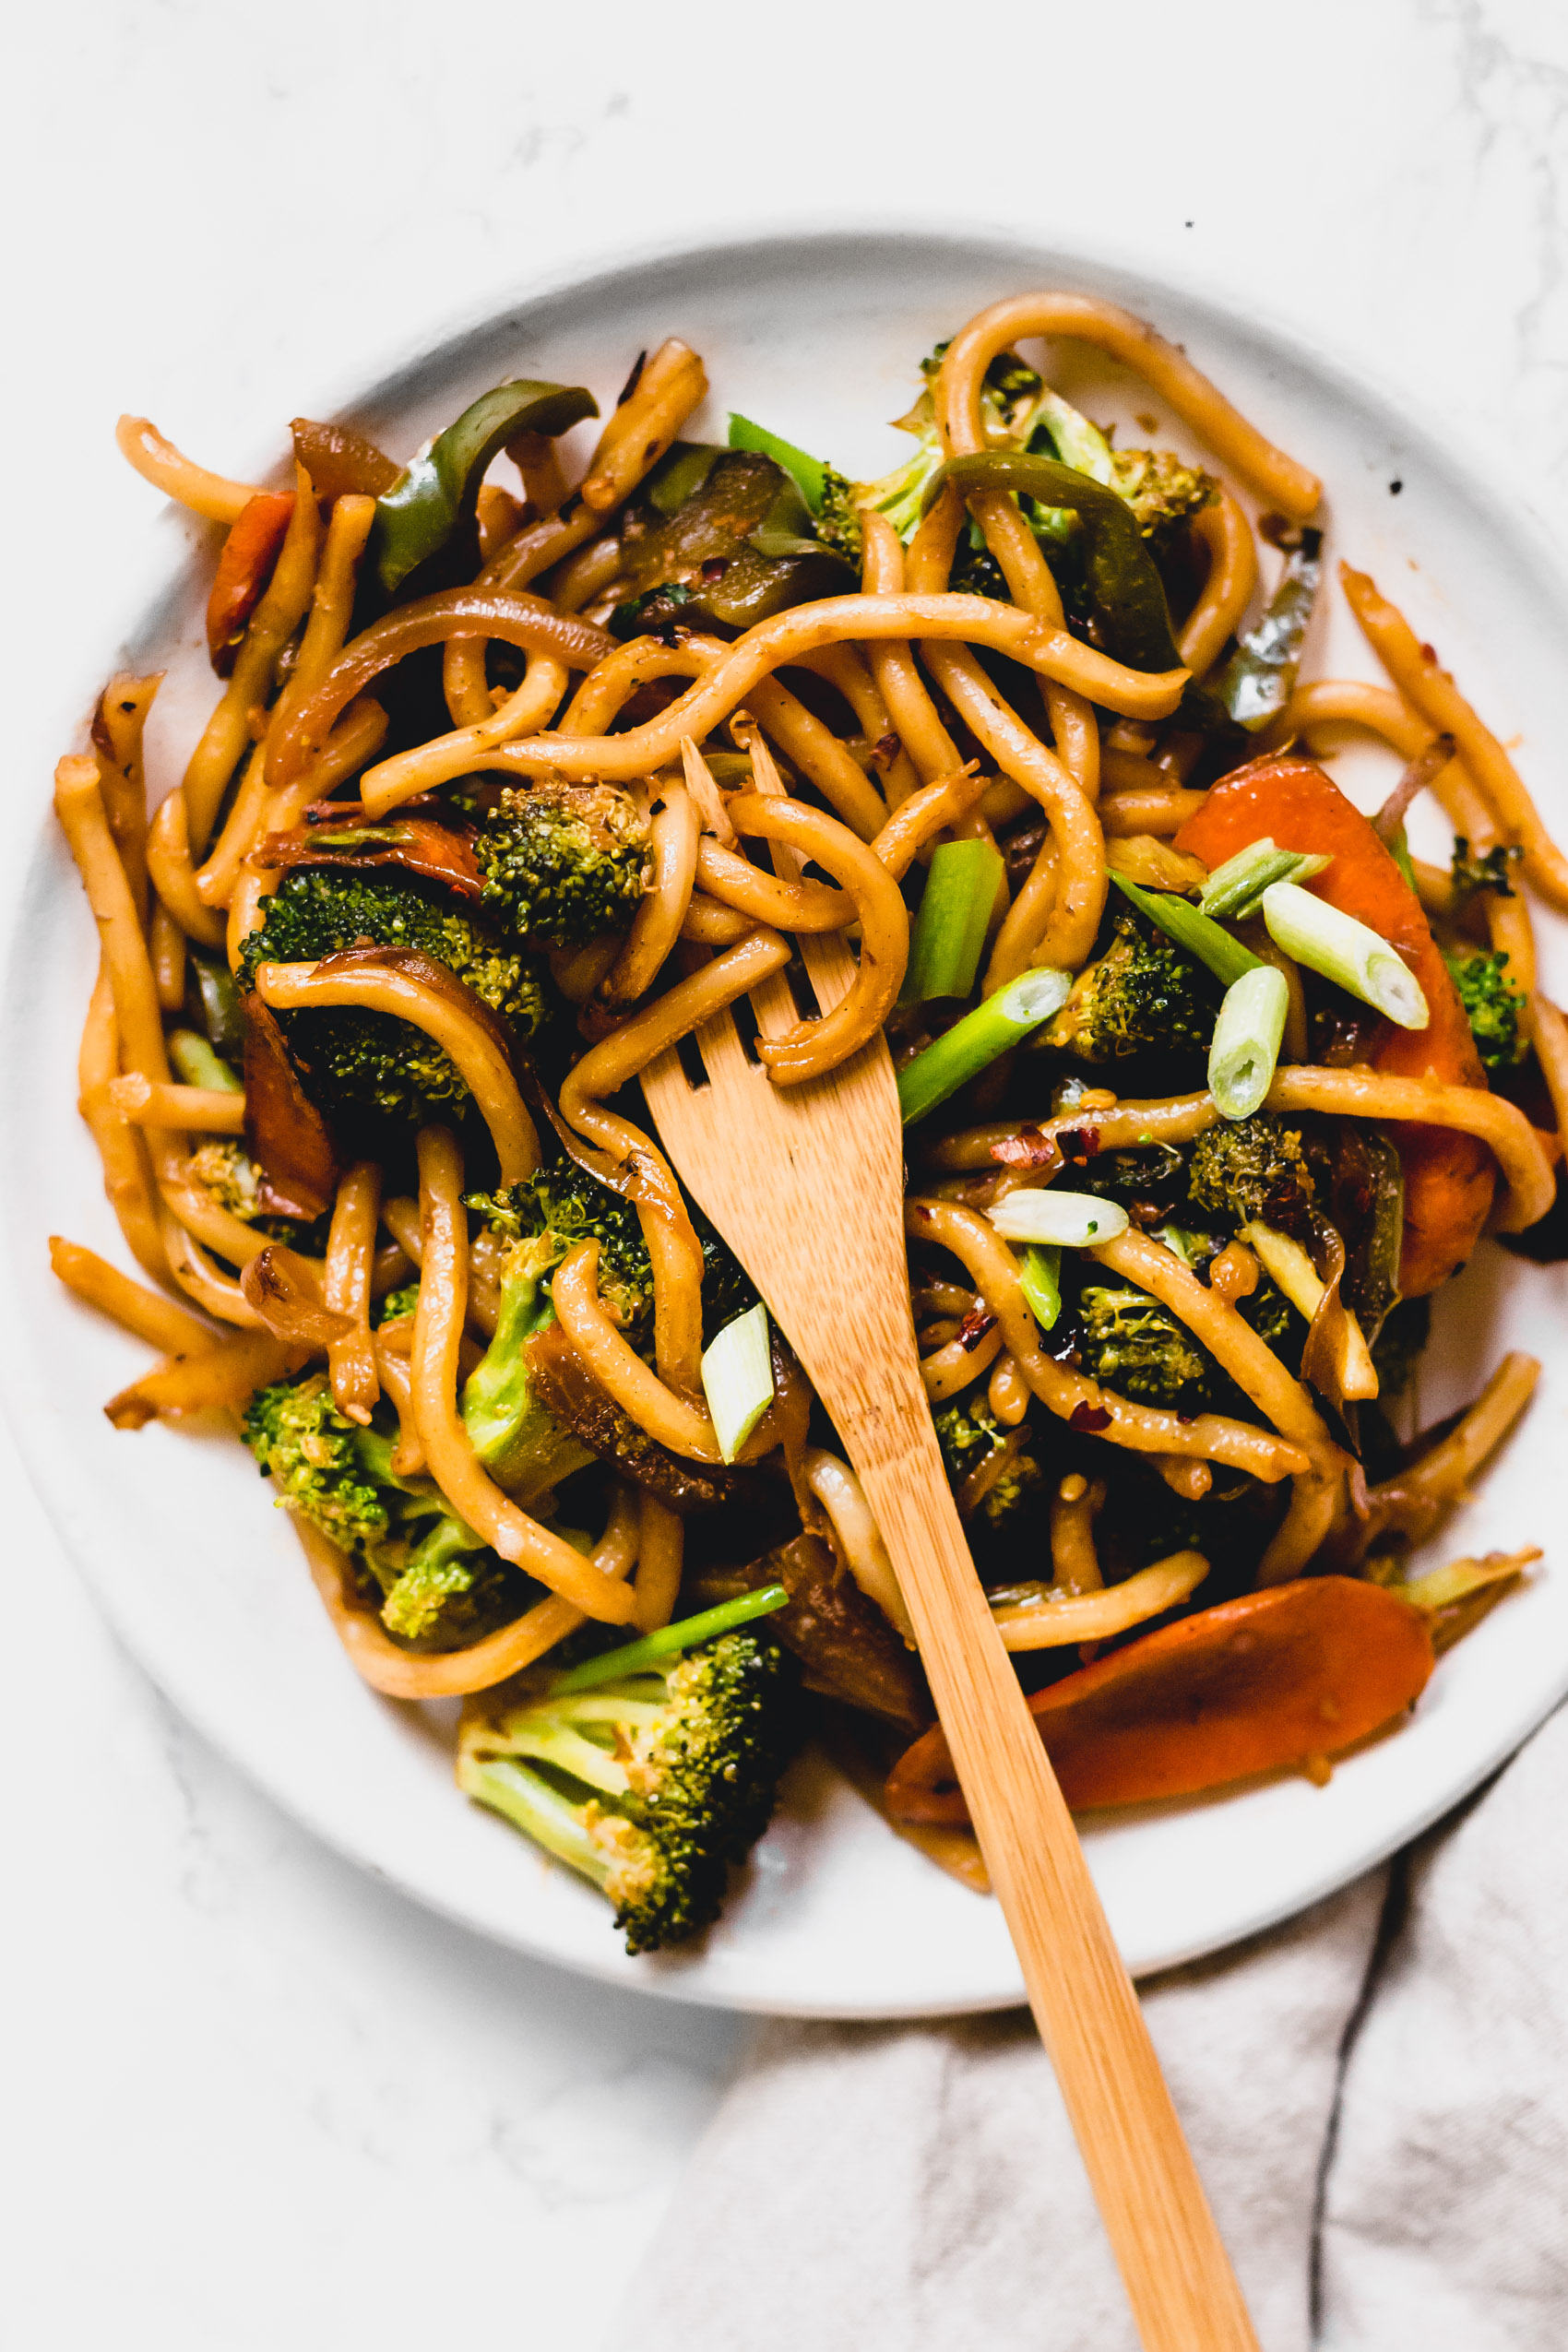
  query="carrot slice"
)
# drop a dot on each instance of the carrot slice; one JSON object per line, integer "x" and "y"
{"x": 1449, "y": 1178}
{"x": 244, "y": 569}
{"x": 1272, "y": 1679}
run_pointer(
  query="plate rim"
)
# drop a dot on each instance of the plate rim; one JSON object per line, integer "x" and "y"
{"x": 168, "y": 544}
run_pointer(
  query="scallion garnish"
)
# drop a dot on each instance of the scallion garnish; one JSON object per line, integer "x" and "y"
{"x": 949, "y": 933}
{"x": 1233, "y": 889}
{"x": 669, "y": 1641}
{"x": 1040, "y": 1277}
{"x": 1226, "y": 958}
{"x": 737, "y": 1379}
{"x": 1344, "y": 951}
{"x": 972, "y": 1044}
{"x": 1245, "y": 1046}
{"x": 1068, "y": 1220}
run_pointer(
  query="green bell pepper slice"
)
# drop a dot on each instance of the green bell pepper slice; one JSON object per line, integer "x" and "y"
{"x": 807, "y": 473}
{"x": 418, "y": 516}
{"x": 1258, "y": 680}
{"x": 1123, "y": 582}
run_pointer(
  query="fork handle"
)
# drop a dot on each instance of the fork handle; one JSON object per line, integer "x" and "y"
{"x": 1175, "y": 2269}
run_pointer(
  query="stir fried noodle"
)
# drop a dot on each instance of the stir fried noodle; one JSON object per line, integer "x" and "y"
{"x": 534, "y": 755}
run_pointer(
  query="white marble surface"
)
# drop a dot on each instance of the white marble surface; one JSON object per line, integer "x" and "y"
{"x": 251, "y": 2098}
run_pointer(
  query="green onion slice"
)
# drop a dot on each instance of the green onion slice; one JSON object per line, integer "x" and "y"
{"x": 1344, "y": 951}
{"x": 1226, "y": 958}
{"x": 737, "y": 1379}
{"x": 669, "y": 1641}
{"x": 1234, "y": 890}
{"x": 1039, "y": 1276}
{"x": 1246, "y": 1041}
{"x": 950, "y": 928}
{"x": 979, "y": 1039}
{"x": 1070, "y": 1220}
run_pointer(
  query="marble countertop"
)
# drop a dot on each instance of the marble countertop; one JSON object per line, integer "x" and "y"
{"x": 251, "y": 2097}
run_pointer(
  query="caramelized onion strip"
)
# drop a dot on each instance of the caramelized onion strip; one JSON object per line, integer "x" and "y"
{"x": 518, "y": 619}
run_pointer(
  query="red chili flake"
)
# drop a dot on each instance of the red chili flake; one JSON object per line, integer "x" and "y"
{"x": 1079, "y": 1145}
{"x": 885, "y": 751}
{"x": 715, "y": 567}
{"x": 1089, "y": 1418}
{"x": 1030, "y": 1147}
{"x": 1429, "y": 655}
{"x": 972, "y": 1330}
{"x": 1144, "y": 1214}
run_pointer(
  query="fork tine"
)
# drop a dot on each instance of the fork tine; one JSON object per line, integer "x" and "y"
{"x": 706, "y": 794}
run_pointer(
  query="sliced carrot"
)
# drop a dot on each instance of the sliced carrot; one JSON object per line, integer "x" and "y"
{"x": 244, "y": 569}
{"x": 1449, "y": 1178}
{"x": 1276, "y": 1678}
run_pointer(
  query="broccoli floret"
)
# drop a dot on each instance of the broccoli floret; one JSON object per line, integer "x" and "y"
{"x": 563, "y": 863}
{"x": 514, "y": 1435}
{"x": 1136, "y": 1346}
{"x": 1008, "y": 395}
{"x": 1492, "y": 1005}
{"x": 1489, "y": 872}
{"x": 224, "y": 1167}
{"x": 561, "y": 1204}
{"x": 836, "y": 520}
{"x": 1021, "y": 411}
{"x": 969, "y": 1434}
{"x": 541, "y": 1219}
{"x": 650, "y": 1784}
{"x": 1161, "y": 489}
{"x": 435, "y": 1584}
{"x": 227, "y": 1171}
{"x": 1275, "y": 1321}
{"x": 396, "y": 1303}
{"x": 370, "y": 1064}
{"x": 302, "y": 1442}
{"x": 1246, "y": 1168}
{"x": 1006, "y": 402}
{"x": 1143, "y": 993}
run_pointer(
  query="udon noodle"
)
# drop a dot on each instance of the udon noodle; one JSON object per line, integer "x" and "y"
{"x": 466, "y": 846}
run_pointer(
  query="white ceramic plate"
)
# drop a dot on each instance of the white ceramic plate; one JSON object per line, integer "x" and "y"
{"x": 819, "y": 337}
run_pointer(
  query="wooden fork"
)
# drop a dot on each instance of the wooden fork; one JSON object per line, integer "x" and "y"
{"x": 805, "y": 1184}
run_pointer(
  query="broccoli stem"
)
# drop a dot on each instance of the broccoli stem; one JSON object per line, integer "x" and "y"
{"x": 1226, "y": 958}
{"x": 526, "y": 1799}
{"x": 631, "y": 1656}
{"x": 198, "y": 1066}
{"x": 979, "y": 1039}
